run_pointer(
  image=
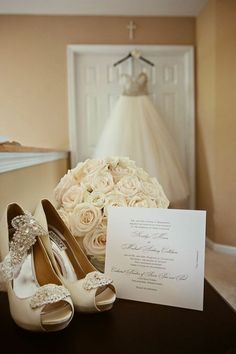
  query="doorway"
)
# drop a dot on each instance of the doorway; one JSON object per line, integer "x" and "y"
{"x": 93, "y": 87}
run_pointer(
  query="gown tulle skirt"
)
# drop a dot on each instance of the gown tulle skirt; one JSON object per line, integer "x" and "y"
{"x": 136, "y": 130}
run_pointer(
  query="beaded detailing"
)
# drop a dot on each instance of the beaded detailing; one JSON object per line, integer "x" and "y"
{"x": 27, "y": 228}
{"x": 134, "y": 86}
{"x": 48, "y": 294}
{"x": 95, "y": 280}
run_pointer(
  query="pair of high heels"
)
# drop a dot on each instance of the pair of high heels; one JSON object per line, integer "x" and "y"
{"x": 45, "y": 272}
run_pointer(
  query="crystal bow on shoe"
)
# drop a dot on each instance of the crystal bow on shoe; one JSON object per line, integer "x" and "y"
{"x": 27, "y": 229}
{"x": 48, "y": 294}
{"x": 95, "y": 280}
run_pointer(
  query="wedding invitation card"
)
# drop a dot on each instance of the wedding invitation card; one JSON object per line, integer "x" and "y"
{"x": 157, "y": 255}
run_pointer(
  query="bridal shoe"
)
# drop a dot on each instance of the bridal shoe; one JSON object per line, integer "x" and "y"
{"x": 37, "y": 299}
{"x": 90, "y": 290}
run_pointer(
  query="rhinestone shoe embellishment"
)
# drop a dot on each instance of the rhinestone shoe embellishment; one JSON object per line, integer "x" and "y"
{"x": 48, "y": 294}
{"x": 27, "y": 229}
{"x": 95, "y": 280}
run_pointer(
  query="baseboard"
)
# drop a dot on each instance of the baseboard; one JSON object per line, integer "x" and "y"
{"x": 220, "y": 248}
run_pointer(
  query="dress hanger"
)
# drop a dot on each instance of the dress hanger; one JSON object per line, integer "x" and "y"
{"x": 134, "y": 54}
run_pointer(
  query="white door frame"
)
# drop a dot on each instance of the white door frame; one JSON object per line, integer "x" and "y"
{"x": 186, "y": 51}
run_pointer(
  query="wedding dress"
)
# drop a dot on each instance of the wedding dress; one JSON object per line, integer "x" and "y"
{"x": 136, "y": 130}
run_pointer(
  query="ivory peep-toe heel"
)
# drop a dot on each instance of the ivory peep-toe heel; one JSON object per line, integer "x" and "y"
{"x": 38, "y": 301}
{"x": 90, "y": 290}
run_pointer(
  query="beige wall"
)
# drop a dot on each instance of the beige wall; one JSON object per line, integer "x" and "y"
{"x": 28, "y": 185}
{"x": 216, "y": 128}
{"x": 33, "y": 84}
{"x": 33, "y": 95}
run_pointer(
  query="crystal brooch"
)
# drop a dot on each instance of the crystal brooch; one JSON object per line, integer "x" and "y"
{"x": 26, "y": 229}
{"x": 48, "y": 294}
{"x": 95, "y": 280}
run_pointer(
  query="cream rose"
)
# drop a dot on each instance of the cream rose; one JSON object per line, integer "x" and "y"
{"x": 65, "y": 183}
{"x": 86, "y": 183}
{"x": 142, "y": 175}
{"x": 126, "y": 162}
{"x": 121, "y": 169}
{"x": 121, "y": 163}
{"x": 114, "y": 199}
{"x": 150, "y": 188}
{"x": 87, "y": 168}
{"x": 112, "y": 162}
{"x": 128, "y": 185}
{"x": 162, "y": 202}
{"x": 155, "y": 191}
{"x": 97, "y": 198}
{"x": 120, "y": 172}
{"x": 94, "y": 242}
{"x": 78, "y": 173}
{"x": 73, "y": 196}
{"x": 102, "y": 182}
{"x": 91, "y": 166}
{"x": 84, "y": 218}
{"x": 142, "y": 201}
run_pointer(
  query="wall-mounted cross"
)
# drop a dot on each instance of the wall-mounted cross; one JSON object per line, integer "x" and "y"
{"x": 131, "y": 27}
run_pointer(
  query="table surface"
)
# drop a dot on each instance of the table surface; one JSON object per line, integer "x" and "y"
{"x": 132, "y": 327}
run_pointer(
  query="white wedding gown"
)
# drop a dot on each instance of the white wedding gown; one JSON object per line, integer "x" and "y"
{"x": 136, "y": 130}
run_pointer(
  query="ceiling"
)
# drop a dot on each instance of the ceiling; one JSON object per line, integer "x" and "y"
{"x": 103, "y": 7}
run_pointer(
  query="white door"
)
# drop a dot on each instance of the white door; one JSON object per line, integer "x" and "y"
{"x": 94, "y": 88}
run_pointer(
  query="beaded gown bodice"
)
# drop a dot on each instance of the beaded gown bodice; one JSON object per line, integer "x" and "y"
{"x": 134, "y": 86}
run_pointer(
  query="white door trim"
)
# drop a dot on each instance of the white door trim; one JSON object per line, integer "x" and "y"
{"x": 187, "y": 51}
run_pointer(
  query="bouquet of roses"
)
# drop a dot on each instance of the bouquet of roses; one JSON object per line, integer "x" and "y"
{"x": 86, "y": 191}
